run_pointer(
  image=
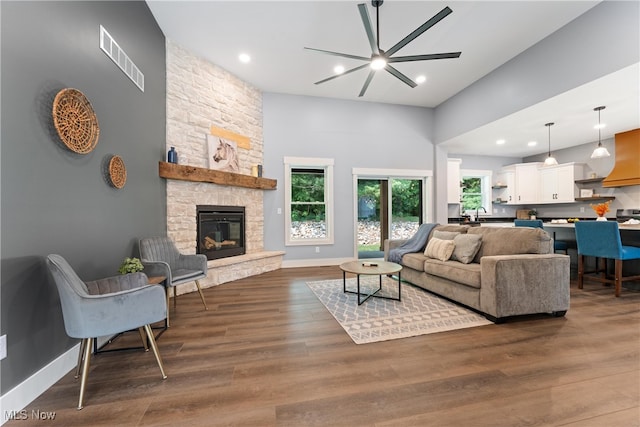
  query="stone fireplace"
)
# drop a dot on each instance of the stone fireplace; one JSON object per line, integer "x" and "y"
{"x": 201, "y": 95}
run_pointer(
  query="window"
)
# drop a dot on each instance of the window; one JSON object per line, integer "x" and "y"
{"x": 476, "y": 191}
{"x": 309, "y": 201}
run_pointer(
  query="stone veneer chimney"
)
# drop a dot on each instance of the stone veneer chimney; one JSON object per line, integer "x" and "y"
{"x": 199, "y": 95}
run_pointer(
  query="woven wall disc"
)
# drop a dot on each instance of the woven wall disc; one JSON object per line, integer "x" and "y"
{"x": 117, "y": 172}
{"x": 75, "y": 121}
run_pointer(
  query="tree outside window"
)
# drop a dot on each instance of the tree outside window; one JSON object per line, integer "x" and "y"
{"x": 308, "y": 201}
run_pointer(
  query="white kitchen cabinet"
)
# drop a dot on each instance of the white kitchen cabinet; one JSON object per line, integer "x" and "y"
{"x": 526, "y": 178}
{"x": 453, "y": 180}
{"x": 557, "y": 183}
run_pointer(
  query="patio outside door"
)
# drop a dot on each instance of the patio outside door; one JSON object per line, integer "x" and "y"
{"x": 387, "y": 208}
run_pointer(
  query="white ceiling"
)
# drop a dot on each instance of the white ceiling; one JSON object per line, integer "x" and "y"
{"x": 488, "y": 33}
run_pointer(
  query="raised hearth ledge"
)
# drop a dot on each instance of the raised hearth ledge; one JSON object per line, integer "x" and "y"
{"x": 228, "y": 269}
{"x": 196, "y": 174}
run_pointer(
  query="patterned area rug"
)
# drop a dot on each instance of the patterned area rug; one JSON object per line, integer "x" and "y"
{"x": 419, "y": 313}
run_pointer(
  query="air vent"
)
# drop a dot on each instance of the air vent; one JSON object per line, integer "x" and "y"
{"x": 117, "y": 55}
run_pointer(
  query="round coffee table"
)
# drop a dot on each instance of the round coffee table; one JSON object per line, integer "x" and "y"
{"x": 373, "y": 268}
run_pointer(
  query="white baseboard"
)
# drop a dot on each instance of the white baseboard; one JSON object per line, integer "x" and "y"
{"x": 12, "y": 402}
{"x": 294, "y": 263}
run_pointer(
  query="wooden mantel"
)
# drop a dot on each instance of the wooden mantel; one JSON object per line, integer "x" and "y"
{"x": 196, "y": 174}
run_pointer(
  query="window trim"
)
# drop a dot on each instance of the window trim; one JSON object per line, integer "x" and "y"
{"x": 486, "y": 177}
{"x": 291, "y": 163}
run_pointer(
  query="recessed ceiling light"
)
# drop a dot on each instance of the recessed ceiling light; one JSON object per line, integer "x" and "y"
{"x": 500, "y": 142}
{"x": 244, "y": 58}
{"x": 421, "y": 79}
{"x": 532, "y": 143}
{"x": 600, "y": 126}
{"x": 338, "y": 69}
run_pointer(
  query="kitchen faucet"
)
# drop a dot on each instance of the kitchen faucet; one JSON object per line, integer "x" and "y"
{"x": 478, "y": 210}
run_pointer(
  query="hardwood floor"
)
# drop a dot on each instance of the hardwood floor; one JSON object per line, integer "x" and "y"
{"x": 268, "y": 353}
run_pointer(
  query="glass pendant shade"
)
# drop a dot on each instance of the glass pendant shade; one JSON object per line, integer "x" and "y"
{"x": 600, "y": 151}
{"x": 550, "y": 160}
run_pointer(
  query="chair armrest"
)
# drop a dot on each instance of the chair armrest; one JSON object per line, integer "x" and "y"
{"x": 193, "y": 262}
{"x": 524, "y": 284}
{"x": 157, "y": 268}
{"x": 112, "y": 313}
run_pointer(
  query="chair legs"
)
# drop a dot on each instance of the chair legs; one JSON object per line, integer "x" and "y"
{"x": 84, "y": 359}
{"x": 87, "y": 344}
{"x": 201, "y": 295}
{"x": 154, "y": 347}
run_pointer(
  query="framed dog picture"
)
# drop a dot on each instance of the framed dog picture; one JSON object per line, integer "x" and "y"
{"x": 222, "y": 154}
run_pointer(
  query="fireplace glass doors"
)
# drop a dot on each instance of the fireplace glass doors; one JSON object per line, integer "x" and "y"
{"x": 220, "y": 231}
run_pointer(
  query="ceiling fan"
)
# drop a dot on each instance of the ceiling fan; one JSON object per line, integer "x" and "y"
{"x": 381, "y": 59}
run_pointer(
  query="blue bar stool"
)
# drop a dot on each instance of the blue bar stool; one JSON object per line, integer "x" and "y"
{"x": 601, "y": 239}
{"x": 558, "y": 245}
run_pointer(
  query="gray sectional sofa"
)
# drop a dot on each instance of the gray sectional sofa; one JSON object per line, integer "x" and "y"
{"x": 514, "y": 272}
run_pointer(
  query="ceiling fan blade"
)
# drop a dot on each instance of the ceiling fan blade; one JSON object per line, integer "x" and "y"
{"x": 421, "y": 29}
{"x": 401, "y": 76}
{"x": 339, "y": 75}
{"x": 425, "y": 57}
{"x": 364, "y": 14}
{"x": 344, "y": 55}
{"x": 366, "y": 82}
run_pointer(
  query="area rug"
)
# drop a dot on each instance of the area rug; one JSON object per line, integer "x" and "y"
{"x": 419, "y": 313}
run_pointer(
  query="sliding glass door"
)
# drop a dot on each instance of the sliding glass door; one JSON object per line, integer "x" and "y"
{"x": 387, "y": 208}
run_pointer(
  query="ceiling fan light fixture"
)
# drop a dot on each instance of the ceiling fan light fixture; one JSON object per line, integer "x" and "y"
{"x": 378, "y": 62}
{"x": 600, "y": 151}
{"x": 550, "y": 160}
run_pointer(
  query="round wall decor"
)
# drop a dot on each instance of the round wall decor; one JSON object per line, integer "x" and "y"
{"x": 117, "y": 172}
{"x": 75, "y": 121}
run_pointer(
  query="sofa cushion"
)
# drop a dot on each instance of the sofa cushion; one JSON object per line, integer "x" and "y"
{"x": 414, "y": 260}
{"x": 466, "y": 247}
{"x": 511, "y": 241}
{"x": 439, "y": 249}
{"x": 468, "y": 274}
{"x": 444, "y": 235}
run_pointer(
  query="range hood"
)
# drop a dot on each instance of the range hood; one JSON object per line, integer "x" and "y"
{"x": 626, "y": 170}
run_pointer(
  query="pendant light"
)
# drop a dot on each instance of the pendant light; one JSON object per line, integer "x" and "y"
{"x": 600, "y": 151}
{"x": 550, "y": 160}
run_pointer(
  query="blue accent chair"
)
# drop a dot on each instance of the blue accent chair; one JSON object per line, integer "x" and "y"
{"x": 601, "y": 239}
{"x": 558, "y": 245}
{"x": 106, "y": 307}
{"x": 161, "y": 257}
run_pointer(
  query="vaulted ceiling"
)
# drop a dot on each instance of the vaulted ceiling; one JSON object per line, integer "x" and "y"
{"x": 488, "y": 33}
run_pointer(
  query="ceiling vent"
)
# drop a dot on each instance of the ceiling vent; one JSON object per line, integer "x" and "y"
{"x": 115, "y": 52}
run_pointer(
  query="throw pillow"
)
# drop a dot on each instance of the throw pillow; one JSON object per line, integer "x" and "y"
{"x": 439, "y": 249}
{"x": 466, "y": 247}
{"x": 445, "y": 235}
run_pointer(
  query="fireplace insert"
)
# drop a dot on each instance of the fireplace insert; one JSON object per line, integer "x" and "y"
{"x": 220, "y": 231}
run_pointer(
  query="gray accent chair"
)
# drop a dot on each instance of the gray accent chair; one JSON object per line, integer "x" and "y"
{"x": 161, "y": 257}
{"x": 106, "y": 307}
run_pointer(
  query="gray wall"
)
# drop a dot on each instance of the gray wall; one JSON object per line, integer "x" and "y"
{"x": 55, "y": 201}
{"x": 355, "y": 134}
{"x": 562, "y": 61}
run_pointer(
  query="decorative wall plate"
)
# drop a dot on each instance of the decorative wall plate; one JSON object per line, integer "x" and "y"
{"x": 75, "y": 121}
{"x": 117, "y": 172}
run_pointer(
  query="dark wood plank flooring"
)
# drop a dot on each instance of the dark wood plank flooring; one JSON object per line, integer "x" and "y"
{"x": 268, "y": 353}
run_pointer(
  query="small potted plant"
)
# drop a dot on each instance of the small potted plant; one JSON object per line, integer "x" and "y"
{"x": 130, "y": 265}
{"x": 533, "y": 214}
